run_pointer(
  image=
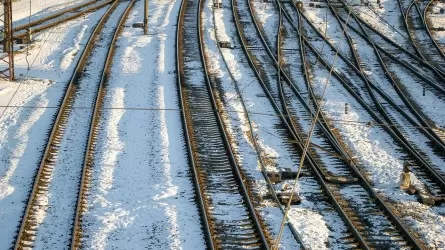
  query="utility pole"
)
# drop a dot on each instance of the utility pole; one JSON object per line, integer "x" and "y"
{"x": 145, "y": 17}
{"x": 8, "y": 41}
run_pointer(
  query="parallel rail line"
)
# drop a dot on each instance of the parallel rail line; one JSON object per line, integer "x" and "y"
{"x": 427, "y": 48}
{"x": 85, "y": 180}
{"x": 28, "y": 228}
{"x": 414, "y": 61}
{"x": 255, "y": 143}
{"x": 432, "y": 132}
{"x": 341, "y": 151}
{"x": 57, "y": 18}
{"x": 219, "y": 184}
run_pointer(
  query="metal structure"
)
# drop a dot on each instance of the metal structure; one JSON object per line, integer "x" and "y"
{"x": 7, "y": 56}
{"x": 146, "y": 17}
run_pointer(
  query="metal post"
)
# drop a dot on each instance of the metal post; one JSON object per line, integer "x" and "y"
{"x": 145, "y": 17}
{"x": 8, "y": 41}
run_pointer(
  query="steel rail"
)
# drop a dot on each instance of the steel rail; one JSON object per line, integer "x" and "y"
{"x": 262, "y": 240}
{"x": 413, "y": 40}
{"x": 57, "y": 128}
{"x": 238, "y": 175}
{"x": 398, "y": 135}
{"x": 424, "y": 125}
{"x": 52, "y": 16}
{"x": 365, "y": 183}
{"x": 255, "y": 144}
{"x": 393, "y": 57}
{"x": 425, "y": 21}
{"x": 314, "y": 166}
{"x": 439, "y": 73}
{"x": 410, "y": 67}
{"x": 198, "y": 188}
{"x": 81, "y": 204}
{"x": 399, "y": 224}
{"x": 57, "y": 22}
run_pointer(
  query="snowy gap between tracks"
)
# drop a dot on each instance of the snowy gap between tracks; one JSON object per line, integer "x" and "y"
{"x": 142, "y": 188}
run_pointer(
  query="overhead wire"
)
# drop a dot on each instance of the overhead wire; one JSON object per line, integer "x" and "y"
{"x": 368, "y": 124}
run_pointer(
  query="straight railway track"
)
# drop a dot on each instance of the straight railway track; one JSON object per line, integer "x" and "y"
{"x": 44, "y": 179}
{"x": 228, "y": 214}
{"x": 81, "y": 205}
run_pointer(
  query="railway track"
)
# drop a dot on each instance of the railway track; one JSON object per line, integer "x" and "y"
{"x": 406, "y": 106}
{"x": 271, "y": 189}
{"x": 421, "y": 156}
{"x": 429, "y": 84}
{"x": 81, "y": 205}
{"x": 427, "y": 23}
{"x": 229, "y": 217}
{"x": 365, "y": 185}
{"x": 405, "y": 56}
{"x": 426, "y": 176}
{"x": 76, "y": 92}
{"x": 333, "y": 186}
{"x": 420, "y": 35}
{"x": 21, "y": 31}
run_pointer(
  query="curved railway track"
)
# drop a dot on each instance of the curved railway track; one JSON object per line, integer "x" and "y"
{"x": 405, "y": 56}
{"x": 436, "y": 175}
{"x": 81, "y": 205}
{"x": 254, "y": 140}
{"x": 21, "y": 31}
{"x": 228, "y": 214}
{"x": 427, "y": 82}
{"x": 420, "y": 119}
{"x": 42, "y": 182}
{"x": 345, "y": 206}
{"x": 416, "y": 118}
{"x": 420, "y": 35}
{"x": 430, "y": 177}
{"x": 428, "y": 29}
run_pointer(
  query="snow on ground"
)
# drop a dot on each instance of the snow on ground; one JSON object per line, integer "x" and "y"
{"x": 313, "y": 217}
{"x": 388, "y": 19}
{"x": 54, "y": 224}
{"x": 21, "y": 8}
{"x": 327, "y": 24}
{"x": 437, "y": 23}
{"x": 377, "y": 153}
{"x": 24, "y": 130}
{"x": 265, "y": 15}
{"x": 236, "y": 121}
{"x": 142, "y": 190}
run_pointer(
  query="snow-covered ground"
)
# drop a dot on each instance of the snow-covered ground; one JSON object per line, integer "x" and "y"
{"x": 33, "y": 100}
{"x": 22, "y": 9}
{"x": 142, "y": 190}
{"x": 437, "y": 22}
